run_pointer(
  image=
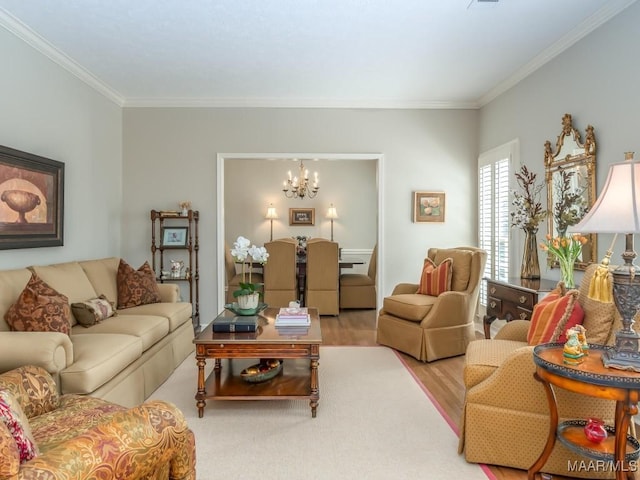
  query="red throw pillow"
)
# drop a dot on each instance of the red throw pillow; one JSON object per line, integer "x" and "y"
{"x": 435, "y": 279}
{"x": 136, "y": 287}
{"x": 553, "y": 316}
{"x": 39, "y": 308}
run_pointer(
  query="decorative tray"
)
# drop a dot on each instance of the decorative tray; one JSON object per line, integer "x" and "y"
{"x": 267, "y": 369}
{"x": 233, "y": 307}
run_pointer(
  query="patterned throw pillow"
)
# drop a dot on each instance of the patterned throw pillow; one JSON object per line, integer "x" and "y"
{"x": 17, "y": 423}
{"x": 435, "y": 279}
{"x": 93, "y": 311}
{"x": 39, "y": 308}
{"x": 136, "y": 287}
{"x": 554, "y": 315}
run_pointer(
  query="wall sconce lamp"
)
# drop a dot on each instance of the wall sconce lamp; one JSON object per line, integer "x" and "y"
{"x": 617, "y": 210}
{"x": 271, "y": 215}
{"x": 332, "y": 214}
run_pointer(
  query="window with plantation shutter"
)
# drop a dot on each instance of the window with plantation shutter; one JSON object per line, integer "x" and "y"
{"x": 494, "y": 173}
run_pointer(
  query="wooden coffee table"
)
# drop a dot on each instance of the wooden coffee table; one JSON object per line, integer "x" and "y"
{"x": 300, "y": 352}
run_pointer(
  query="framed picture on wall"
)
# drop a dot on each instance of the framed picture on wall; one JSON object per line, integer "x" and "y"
{"x": 302, "y": 216}
{"x": 428, "y": 207}
{"x": 31, "y": 200}
{"x": 174, "y": 237}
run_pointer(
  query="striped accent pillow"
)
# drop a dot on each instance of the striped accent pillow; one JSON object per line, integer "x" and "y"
{"x": 435, "y": 279}
{"x": 554, "y": 315}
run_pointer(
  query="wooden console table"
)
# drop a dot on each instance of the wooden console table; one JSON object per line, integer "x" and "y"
{"x": 513, "y": 299}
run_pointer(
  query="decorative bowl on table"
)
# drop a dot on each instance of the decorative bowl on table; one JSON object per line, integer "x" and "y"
{"x": 267, "y": 369}
{"x": 233, "y": 307}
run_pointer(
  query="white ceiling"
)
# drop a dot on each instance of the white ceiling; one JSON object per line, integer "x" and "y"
{"x": 308, "y": 53}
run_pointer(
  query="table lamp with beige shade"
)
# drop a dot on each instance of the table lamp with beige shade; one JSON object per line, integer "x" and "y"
{"x": 332, "y": 214}
{"x": 617, "y": 211}
{"x": 271, "y": 216}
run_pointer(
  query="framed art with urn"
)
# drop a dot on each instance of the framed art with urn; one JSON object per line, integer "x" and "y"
{"x": 31, "y": 200}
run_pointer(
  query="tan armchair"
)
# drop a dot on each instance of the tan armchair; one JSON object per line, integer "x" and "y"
{"x": 359, "y": 290}
{"x": 280, "y": 273}
{"x": 506, "y": 414}
{"x": 427, "y": 327}
{"x": 234, "y": 278}
{"x": 322, "y": 276}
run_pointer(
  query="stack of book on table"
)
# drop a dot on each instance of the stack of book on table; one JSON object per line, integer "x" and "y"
{"x": 235, "y": 323}
{"x": 293, "y": 321}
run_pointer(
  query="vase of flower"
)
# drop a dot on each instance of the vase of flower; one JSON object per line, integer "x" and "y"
{"x": 527, "y": 215}
{"x": 566, "y": 271}
{"x": 564, "y": 250}
{"x": 248, "y": 295}
{"x": 249, "y": 301}
{"x": 530, "y": 268}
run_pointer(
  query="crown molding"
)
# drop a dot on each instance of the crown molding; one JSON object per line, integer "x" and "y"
{"x": 20, "y": 30}
{"x": 29, "y": 36}
{"x": 603, "y": 15}
{"x": 266, "y": 102}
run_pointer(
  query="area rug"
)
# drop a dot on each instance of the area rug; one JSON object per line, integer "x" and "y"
{"x": 374, "y": 421}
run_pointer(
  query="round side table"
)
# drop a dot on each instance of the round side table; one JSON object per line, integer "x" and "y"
{"x": 590, "y": 378}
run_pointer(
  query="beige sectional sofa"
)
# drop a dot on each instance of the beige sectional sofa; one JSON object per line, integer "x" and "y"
{"x": 122, "y": 359}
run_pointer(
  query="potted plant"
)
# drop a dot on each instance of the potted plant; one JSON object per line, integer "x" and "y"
{"x": 248, "y": 295}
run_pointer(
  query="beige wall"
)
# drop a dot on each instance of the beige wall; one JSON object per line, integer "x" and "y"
{"x": 170, "y": 155}
{"x": 350, "y": 185}
{"x": 49, "y": 112}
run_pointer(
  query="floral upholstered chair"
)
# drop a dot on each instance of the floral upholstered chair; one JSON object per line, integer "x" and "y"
{"x": 47, "y": 436}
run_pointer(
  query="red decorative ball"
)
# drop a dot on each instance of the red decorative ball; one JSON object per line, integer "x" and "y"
{"x": 595, "y": 431}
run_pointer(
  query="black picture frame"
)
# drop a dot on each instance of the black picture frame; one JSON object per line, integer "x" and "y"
{"x": 31, "y": 200}
{"x": 175, "y": 237}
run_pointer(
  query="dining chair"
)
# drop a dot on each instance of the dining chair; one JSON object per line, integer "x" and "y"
{"x": 358, "y": 290}
{"x": 280, "y": 273}
{"x": 322, "y": 278}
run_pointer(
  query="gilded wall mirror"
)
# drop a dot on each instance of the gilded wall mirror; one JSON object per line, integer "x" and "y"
{"x": 570, "y": 173}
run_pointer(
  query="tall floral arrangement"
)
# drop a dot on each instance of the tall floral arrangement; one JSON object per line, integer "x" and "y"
{"x": 247, "y": 254}
{"x": 566, "y": 250}
{"x": 528, "y": 211}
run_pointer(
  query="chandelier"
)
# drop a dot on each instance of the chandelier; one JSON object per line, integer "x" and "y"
{"x": 300, "y": 187}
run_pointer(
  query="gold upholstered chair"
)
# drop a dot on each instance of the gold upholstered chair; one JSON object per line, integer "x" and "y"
{"x": 322, "y": 278}
{"x": 358, "y": 290}
{"x": 234, "y": 278}
{"x": 431, "y": 327}
{"x": 505, "y": 419}
{"x": 280, "y": 273}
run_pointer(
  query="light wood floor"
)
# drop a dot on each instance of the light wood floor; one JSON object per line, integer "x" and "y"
{"x": 443, "y": 378}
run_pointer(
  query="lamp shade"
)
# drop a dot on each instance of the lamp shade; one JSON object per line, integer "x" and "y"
{"x": 332, "y": 212}
{"x": 271, "y": 213}
{"x": 617, "y": 209}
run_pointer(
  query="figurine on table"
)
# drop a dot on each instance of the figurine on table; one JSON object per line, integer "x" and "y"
{"x": 573, "y": 353}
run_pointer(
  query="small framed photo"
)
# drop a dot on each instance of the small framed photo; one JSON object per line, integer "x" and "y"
{"x": 302, "y": 216}
{"x": 428, "y": 207}
{"x": 175, "y": 237}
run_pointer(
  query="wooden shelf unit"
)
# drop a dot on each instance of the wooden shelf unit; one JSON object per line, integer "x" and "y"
{"x": 191, "y": 275}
